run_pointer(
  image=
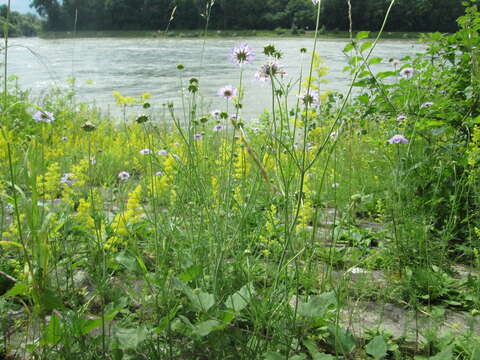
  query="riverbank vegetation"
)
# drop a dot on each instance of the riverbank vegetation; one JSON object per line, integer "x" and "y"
{"x": 340, "y": 226}
{"x": 100, "y": 15}
{"x": 20, "y": 24}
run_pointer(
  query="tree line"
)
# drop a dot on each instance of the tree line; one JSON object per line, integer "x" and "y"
{"x": 20, "y": 24}
{"x": 406, "y": 15}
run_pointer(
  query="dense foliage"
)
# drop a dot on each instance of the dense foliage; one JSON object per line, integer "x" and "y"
{"x": 408, "y": 15}
{"x": 337, "y": 227}
{"x": 20, "y": 24}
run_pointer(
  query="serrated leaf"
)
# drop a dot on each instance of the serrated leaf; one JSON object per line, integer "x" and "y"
{"x": 238, "y": 301}
{"x": 318, "y": 306}
{"x": 377, "y": 347}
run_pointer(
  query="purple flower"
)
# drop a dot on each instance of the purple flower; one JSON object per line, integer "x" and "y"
{"x": 407, "y": 73}
{"x": 216, "y": 113}
{"x": 228, "y": 92}
{"x": 426, "y": 105}
{"x": 218, "y": 127}
{"x": 310, "y": 98}
{"x": 145, "y": 151}
{"x": 43, "y": 116}
{"x": 198, "y": 136}
{"x": 270, "y": 69}
{"x": 162, "y": 152}
{"x": 67, "y": 178}
{"x": 242, "y": 54}
{"x": 400, "y": 118}
{"x": 396, "y": 63}
{"x": 398, "y": 139}
{"x": 123, "y": 175}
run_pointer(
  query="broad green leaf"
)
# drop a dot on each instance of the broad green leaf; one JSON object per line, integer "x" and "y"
{"x": 270, "y": 355}
{"x": 342, "y": 341}
{"x": 206, "y": 327}
{"x": 385, "y": 74}
{"x": 202, "y": 301}
{"x": 238, "y": 301}
{"x": 445, "y": 354}
{"x": 375, "y": 60}
{"x": 89, "y": 324}
{"x": 19, "y": 288}
{"x": 298, "y": 357}
{"x": 318, "y": 306}
{"x": 366, "y": 45}
{"x": 130, "y": 338}
{"x": 129, "y": 262}
{"x": 362, "y": 35}
{"x": 349, "y": 47}
{"x": 190, "y": 274}
{"x": 314, "y": 353}
{"x": 53, "y": 332}
{"x": 377, "y": 347}
{"x": 476, "y": 353}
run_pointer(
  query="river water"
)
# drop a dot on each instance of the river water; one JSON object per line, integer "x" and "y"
{"x": 136, "y": 66}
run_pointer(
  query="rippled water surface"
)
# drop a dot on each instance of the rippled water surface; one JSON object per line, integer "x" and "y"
{"x": 135, "y": 66}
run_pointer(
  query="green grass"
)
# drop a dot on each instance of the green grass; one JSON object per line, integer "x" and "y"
{"x": 307, "y": 235}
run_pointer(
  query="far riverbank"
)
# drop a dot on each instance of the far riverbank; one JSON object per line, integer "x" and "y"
{"x": 277, "y": 33}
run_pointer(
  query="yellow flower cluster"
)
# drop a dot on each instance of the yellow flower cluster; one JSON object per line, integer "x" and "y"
{"x": 132, "y": 215}
{"x": 49, "y": 184}
{"x": 84, "y": 214}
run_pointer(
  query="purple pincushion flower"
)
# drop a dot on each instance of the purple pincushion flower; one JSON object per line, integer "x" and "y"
{"x": 216, "y": 113}
{"x": 145, "y": 151}
{"x": 310, "y": 98}
{"x": 218, "y": 127}
{"x": 228, "y": 92}
{"x": 407, "y": 73}
{"x": 398, "y": 139}
{"x": 401, "y": 118}
{"x": 162, "y": 152}
{"x": 198, "y": 137}
{"x": 123, "y": 175}
{"x": 270, "y": 69}
{"x": 44, "y": 116}
{"x": 242, "y": 54}
{"x": 426, "y": 105}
